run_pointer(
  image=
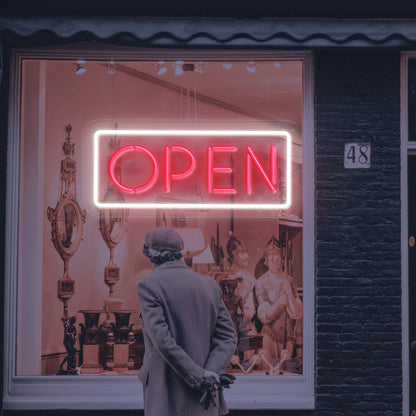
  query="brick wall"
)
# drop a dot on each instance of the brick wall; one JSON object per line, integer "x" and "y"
{"x": 358, "y": 272}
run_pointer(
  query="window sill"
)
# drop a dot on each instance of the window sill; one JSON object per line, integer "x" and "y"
{"x": 125, "y": 392}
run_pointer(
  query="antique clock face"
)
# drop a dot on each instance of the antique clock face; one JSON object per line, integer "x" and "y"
{"x": 113, "y": 221}
{"x": 68, "y": 226}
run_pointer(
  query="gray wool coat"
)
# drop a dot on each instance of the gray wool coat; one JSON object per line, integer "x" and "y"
{"x": 186, "y": 329}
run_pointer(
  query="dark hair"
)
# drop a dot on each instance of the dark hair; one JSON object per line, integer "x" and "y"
{"x": 233, "y": 244}
{"x": 275, "y": 242}
{"x": 160, "y": 257}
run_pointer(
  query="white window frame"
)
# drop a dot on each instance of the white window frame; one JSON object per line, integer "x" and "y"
{"x": 125, "y": 392}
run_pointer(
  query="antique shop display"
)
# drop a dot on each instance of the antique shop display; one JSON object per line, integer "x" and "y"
{"x": 258, "y": 273}
{"x": 266, "y": 306}
{"x": 120, "y": 353}
{"x": 107, "y": 345}
{"x": 91, "y": 343}
{"x": 112, "y": 228}
{"x": 70, "y": 336}
{"x": 230, "y": 184}
{"x": 67, "y": 220}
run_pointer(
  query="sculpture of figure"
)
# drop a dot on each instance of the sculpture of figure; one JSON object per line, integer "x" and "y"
{"x": 279, "y": 305}
{"x": 238, "y": 259}
{"x": 70, "y": 336}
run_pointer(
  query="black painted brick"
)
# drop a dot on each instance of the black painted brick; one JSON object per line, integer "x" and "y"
{"x": 358, "y": 272}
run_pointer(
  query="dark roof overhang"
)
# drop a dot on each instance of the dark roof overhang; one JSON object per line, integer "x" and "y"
{"x": 212, "y": 32}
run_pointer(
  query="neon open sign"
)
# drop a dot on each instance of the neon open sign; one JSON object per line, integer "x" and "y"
{"x": 191, "y": 169}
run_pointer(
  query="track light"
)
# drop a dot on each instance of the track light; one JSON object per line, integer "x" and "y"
{"x": 178, "y": 68}
{"x": 161, "y": 68}
{"x": 80, "y": 67}
{"x": 111, "y": 67}
{"x": 251, "y": 67}
{"x": 199, "y": 67}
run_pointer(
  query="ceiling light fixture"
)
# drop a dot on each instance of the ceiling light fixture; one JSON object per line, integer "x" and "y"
{"x": 111, "y": 67}
{"x": 227, "y": 66}
{"x": 199, "y": 67}
{"x": 161, "y": 68}
{"x": 251, "y": 67}
{"x": 80, "y": 67}
{"x": 276, "y": 64}
{"x": 178, "y": 68}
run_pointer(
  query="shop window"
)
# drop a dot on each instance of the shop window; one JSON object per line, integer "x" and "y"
{"x": 77, "y": 263}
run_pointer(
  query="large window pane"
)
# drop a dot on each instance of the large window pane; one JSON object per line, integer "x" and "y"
{"x": 85, "y": 263}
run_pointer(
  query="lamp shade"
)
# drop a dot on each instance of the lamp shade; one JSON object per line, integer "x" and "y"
{"x": 193, "y": 240}
{"x": 204, "y": 258}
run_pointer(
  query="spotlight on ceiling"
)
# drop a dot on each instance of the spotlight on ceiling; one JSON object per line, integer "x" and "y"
{"x": 111, "y": 67}
{"x": 80, "y": 67}
{"x": 276, "y": 64}
{"x": 161, "y": 68}
{"x": 178, "y": 68}
{"x": 199, "y": 67}
{"x": 251, "y": 67}
{"x": 227, "y": 66}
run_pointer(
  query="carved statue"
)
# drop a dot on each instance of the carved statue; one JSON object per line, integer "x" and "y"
{"x": 70, "y": 336}
{"x": 238, "y": 260}
{"x": 279, "y": 306}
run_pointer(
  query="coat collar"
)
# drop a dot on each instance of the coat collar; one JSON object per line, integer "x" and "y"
{"x": 171, "y": 265}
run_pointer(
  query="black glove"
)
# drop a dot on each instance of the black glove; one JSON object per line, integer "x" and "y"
{"x": 226, "y": 380}
{"x": 207, "y": 385}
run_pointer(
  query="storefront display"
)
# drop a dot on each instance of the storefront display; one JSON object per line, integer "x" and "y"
{"x": 249, "y": 170}
{"x": 281, "y": 150}
{"x": 283, "y": 153}
{"x": 221, "y": 165}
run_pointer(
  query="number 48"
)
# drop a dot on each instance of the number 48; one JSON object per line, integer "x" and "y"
{"x": 357, "y": 155}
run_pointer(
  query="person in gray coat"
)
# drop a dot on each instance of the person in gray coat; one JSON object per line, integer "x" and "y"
{"x": 188, "y": 333}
